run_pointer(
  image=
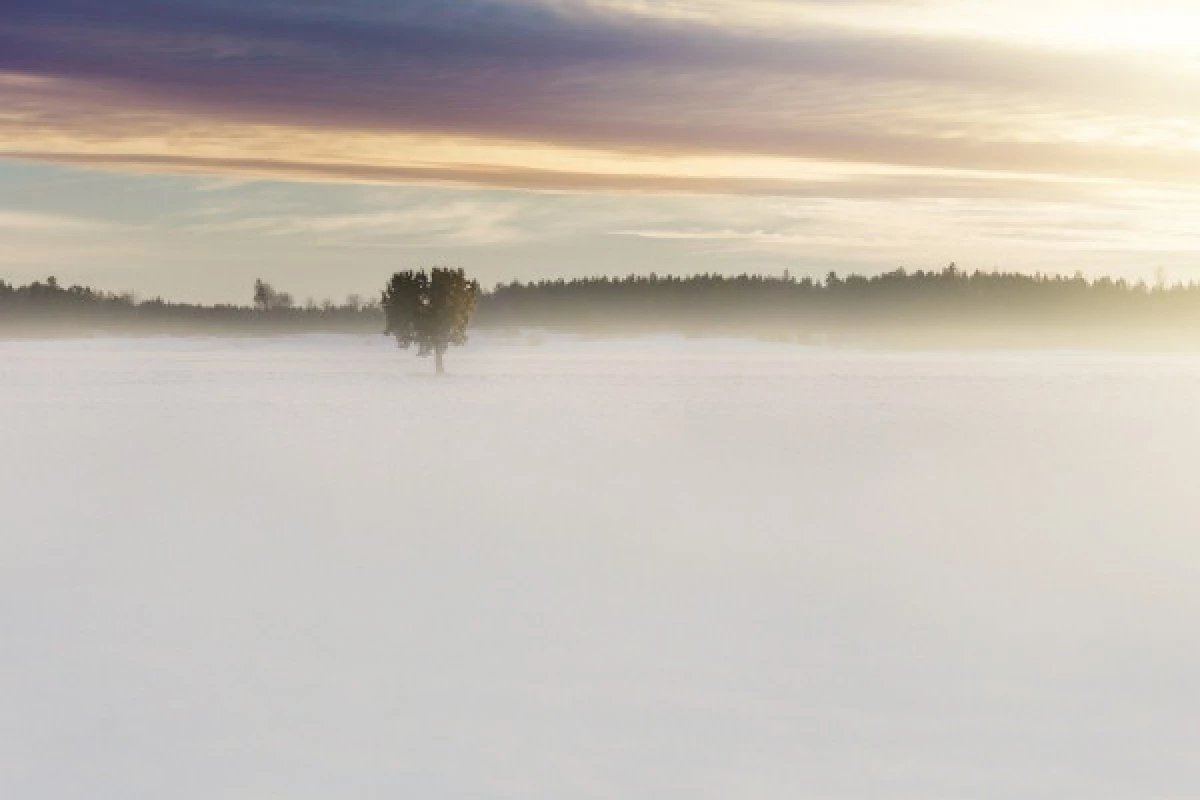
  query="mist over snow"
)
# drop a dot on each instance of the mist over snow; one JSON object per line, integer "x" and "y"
{"x": 304, "y": 568}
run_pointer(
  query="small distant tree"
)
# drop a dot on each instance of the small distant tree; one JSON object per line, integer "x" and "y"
{"x": 431, "y": 310}
{"x": 262, "y": 294}
{"x": 266, "y": 298}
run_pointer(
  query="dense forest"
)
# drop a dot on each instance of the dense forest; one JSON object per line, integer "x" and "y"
{"x": 948, "y": 304}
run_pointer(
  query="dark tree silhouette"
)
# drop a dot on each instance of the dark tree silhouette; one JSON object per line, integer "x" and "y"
{"x": 429, "y": 310}
{"x": 262, "y": 295}
{"x": 266, "y": 298}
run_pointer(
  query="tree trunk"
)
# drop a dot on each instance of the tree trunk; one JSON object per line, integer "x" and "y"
{"x": 441, "y": 369}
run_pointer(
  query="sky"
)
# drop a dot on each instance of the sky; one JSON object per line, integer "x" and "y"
{"x": 185, "y": 147}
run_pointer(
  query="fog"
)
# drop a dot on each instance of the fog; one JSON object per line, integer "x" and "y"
{"x": 305, "y": 567}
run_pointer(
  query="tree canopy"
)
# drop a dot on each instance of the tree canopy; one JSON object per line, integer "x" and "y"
{"x": 430, "y": 310}
{"x": 267, "y": 298}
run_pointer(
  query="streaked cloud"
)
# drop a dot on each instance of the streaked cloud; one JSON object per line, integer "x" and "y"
{"x": 420, "y": 90}
{"x": 461, "y": 222}
{"x": 820, "y": 181}
{"x": 16, "y": 220}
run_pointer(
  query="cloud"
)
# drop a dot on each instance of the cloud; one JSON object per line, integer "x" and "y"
{"x": 37, "y": 243}
{"x": 1116, "y": 233}
{"x": 878, "y": 186}
{"x": 110, "y": 83}
{"x": 25, "y": 221}
{"x": 462, "y": 223}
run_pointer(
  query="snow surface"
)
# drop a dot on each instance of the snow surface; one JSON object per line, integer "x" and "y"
{"x": 306, "y": 568}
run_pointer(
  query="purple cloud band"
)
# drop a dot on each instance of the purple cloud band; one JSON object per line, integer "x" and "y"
{"x": 526, "y": 71}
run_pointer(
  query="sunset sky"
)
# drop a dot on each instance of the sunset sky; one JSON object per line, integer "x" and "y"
{"x": 185, "y": 147}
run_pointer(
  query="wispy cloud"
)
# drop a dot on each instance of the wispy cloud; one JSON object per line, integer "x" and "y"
{"x": 17, "y": 221}
{"x": 37, "y": 243}
{"x": 461, "y": 222}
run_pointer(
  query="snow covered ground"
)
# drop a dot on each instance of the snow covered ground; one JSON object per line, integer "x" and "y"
{"x": 306, "y": 568}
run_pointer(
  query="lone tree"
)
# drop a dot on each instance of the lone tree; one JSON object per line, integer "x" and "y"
{"x": 430, "y": 311}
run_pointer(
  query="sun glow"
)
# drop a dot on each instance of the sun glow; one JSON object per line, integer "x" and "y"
{"x": 1165, "y": 27}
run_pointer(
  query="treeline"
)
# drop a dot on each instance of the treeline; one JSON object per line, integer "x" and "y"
{"x": 48, "y": 308}
{"x": 948, "y": 305}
